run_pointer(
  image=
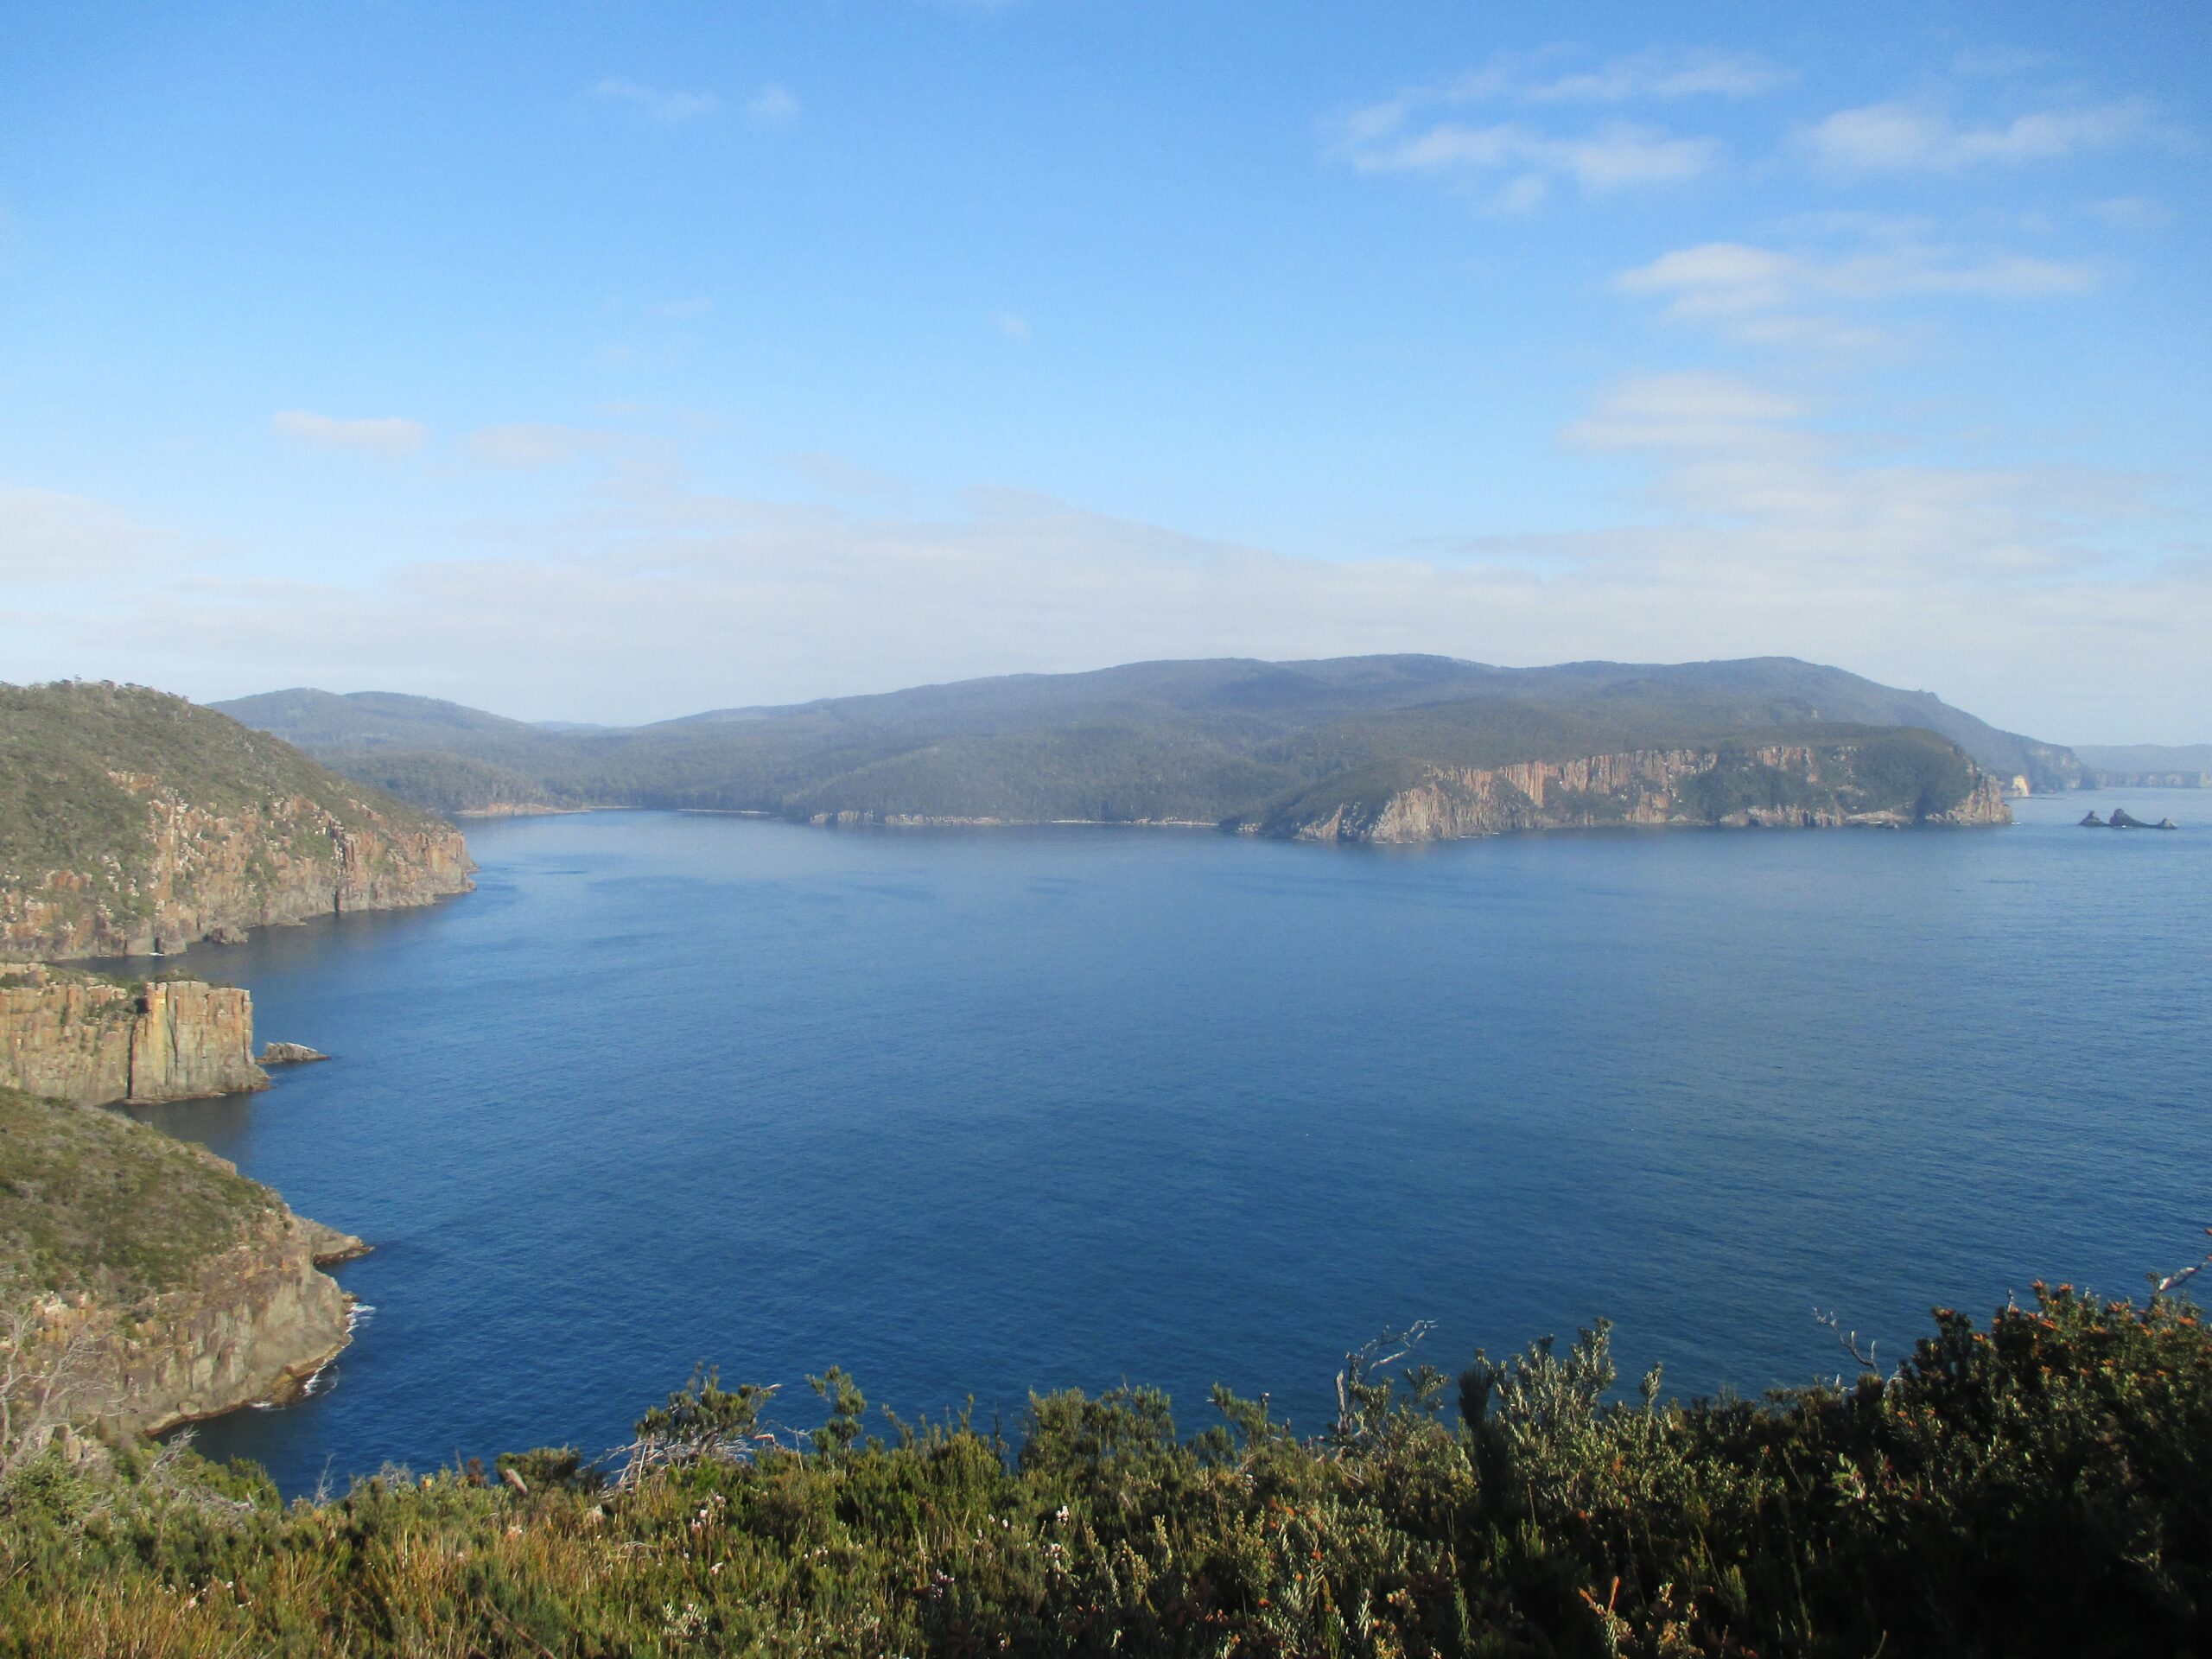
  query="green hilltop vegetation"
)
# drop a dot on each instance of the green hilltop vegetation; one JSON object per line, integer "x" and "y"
{"x": 58, "y": 744}
{"x": 2035, "y": 1485}
{"x": 1206, "y": 742}
{"x": 94, "y": 1204}
{"x": 133, "y": 821}
{"x": 62, "y": 807}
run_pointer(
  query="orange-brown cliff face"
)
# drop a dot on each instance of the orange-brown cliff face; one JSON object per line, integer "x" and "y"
{"x": 253, "y": 1322}
{"x": 1887, "y": 781}
{"x": 137, "y": 822}
{"x": 76, "y": 1037}
{"x": 215, "y": 874}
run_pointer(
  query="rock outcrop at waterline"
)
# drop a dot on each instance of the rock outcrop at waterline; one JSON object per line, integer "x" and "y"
{"x": 165, "y": 1286}
{"x": 83, "y": 1038}
{"x": 252, "y": 1323}
{"x": 1891, "y": 780}
{"x": 133, "y": 823}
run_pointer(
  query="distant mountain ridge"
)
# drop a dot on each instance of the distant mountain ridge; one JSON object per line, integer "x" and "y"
{"x": 2136, "y": 765}
{"x": 1216, "y": 740}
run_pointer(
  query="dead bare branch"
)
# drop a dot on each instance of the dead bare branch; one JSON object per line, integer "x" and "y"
{"x": 1849, "y": 1339}
{"x": 2174, "y": 1281}
{"x": 50, "y": 1375}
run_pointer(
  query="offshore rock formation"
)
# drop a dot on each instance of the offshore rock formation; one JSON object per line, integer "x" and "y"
{"x": 1792, "y": 785}
{"x": 175, "y": 1288}
{"x": 2123, "y": 819}
{"x": 78, "y": 1037}
{"x": 135, "y": 822}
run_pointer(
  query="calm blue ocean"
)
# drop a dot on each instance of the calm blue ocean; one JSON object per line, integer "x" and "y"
{"x": 975, "y": 1112}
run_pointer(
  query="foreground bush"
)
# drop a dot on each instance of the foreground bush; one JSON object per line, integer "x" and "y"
{"x": 2042, "y": 1486}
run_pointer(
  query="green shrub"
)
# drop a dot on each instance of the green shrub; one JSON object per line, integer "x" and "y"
{"x": 2036, "y": 1485}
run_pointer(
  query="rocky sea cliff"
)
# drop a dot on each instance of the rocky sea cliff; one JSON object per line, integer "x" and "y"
{"x": 83, "y": 1038}
{"x": 136, "y": 823}
{"x": 1791, "y": 785}
{"x": 212, "y": 875}
{"x": 133, "y": 824}
{"x": 176, "y": 1288}
{"x": 252, "y": 1325}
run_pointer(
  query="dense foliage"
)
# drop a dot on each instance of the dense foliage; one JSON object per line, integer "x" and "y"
{"x": 2038, "y": 1485}
{"x": 1203, "y": 742}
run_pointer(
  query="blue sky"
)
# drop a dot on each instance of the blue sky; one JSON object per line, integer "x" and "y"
{"x": 614, "y": 361}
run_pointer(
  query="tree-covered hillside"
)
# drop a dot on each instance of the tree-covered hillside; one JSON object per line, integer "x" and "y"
{"x": 62, "y": 805}
{"x": 1205, "y": 741}
{"x": 94, "y": 1205}
{"x": 130, "y": 819}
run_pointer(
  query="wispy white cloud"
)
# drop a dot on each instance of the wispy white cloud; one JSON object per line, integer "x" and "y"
{"x": 1613, "y": 157}
{"x": 1777, "y": 501}
{"x": 1012, "y": 325}
{"x": 49, "y": 537}
{"x": 668, "y": 106}
{"x": 773, "y": 105}
{"x": 531, "y": 445}
{"x": 2131, "y": 214}
{"x": 1660, "y": 74}
{"x": 1816, "y": 301}
{"x": 1420, "y": 130}
{"x": 1684, "y": 411}
{"x": 1897, "y": 138}
{"x": 1732, "y": 278}
{"x": 389, "y": 435}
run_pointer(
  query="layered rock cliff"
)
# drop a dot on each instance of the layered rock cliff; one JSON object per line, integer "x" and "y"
{"x": 80, "y": 1037}
{"x": 252, "y": 1323}
{"x": 132, "y": 822}
{"x": 1894, "y": 778}
{"x": 178, "y": 1287}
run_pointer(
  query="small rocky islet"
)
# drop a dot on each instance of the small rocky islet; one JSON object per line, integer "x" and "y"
{"x": 2122, "y": 819}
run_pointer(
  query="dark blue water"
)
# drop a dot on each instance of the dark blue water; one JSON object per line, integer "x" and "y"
{"x": 975, "y": 1112}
